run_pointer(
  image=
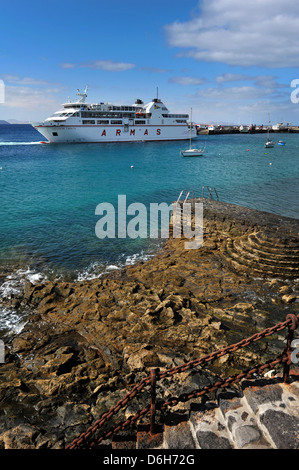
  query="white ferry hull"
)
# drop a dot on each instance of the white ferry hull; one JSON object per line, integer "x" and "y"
{"x": 81, "y": 122}
{"x": 94, "y": 134}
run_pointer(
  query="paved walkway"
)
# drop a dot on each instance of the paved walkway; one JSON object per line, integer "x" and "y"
{"x": 265, "y": 415}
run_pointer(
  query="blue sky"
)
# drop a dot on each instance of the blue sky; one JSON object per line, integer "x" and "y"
{"x": 231, "y": 61}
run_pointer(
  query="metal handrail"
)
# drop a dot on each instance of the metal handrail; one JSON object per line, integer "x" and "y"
{"x": 210, "y": 190}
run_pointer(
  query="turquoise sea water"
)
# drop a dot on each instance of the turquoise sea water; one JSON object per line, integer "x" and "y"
{"x": 49, "y": 193}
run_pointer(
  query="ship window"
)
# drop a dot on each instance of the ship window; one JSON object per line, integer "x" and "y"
{"x": 103, "y": 121}
{"x": 88, "y": 121}
{"x": 54, "y": 134}
{"x": 139, "y": 122}
{"x": 116, "y": 122}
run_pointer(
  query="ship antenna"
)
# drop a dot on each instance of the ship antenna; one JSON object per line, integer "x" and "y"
{"x": 83, "y": 95}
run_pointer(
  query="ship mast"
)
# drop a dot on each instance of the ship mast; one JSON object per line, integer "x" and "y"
{"x": 83, "y": 95}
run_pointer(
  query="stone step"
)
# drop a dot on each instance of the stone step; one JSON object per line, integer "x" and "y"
{"x": 258, "y": 267}
{"x": 263, "y": 414}
{"x": 271, "y": 248}
{"x": 179, "y": 436}
{"x": 267, "y": 258}
{"x": 289, "y": 241}
{"x": 209, "y": 428}
{"x": 251, "y": 260}
{"x": 241, "y": 423}
{"x": 276, "y": 408}
{"x": 282, "y": 254}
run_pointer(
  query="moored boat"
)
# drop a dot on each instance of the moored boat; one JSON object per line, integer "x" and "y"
{"x": 269, "y": 143}
{"x": 192, "y": 152}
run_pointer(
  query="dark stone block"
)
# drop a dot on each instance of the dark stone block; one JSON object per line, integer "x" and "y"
{"x": 179, "y": 437}
{"x": 283, "y": 429}
{"x": 258, "y": 396}
{"x": 209, "y": 440}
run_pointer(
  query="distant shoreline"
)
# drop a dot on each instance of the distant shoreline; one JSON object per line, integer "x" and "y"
{"x": 8, "y": 123}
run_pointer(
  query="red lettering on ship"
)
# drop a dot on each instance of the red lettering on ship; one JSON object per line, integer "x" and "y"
{"x": 158, "y": 131}
{"x": 132, "y": 131}
{"x": 103, "y": 133}
{"x": 145, "y": 132}
{"x": 118, "y": 131}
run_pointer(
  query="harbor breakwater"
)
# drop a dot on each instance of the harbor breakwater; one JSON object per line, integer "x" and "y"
{"x": 85, "y": 343}
{"x": 202, "y": 130}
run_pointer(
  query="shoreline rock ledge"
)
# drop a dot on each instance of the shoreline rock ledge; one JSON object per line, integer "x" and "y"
{"x": 86, "y": 343}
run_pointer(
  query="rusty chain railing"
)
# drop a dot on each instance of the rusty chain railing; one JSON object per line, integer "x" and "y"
{"x": 88, "y": 440}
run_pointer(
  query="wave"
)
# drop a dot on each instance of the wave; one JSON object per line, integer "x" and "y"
{"x": 12, "y": 321}
{"x": 96, "y": 269}
{"x": 20, "y": 143}
{"x": 14, "y": 283}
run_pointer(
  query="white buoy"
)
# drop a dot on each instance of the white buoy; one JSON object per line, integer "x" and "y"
{"x": 132, "y": 166}
{"x": 270, "y": 163}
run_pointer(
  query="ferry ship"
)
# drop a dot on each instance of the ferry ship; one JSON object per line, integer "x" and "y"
{"x": 79, "y": 121}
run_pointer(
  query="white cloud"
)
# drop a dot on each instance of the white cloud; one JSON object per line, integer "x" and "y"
{"x": 27, "y": 96}
{"x": 30, "y": 98}
{"x": 187, "y": 80}
{"x": 26, "y": 81}
{"x": 241, "y": 93}
{"x": 67, "y": 65}
{"x": 263, "y": 81}
{"x": 108, "y": 65}
{"x": 257, "y": 33}
{"x": 153, "y": 69}
{"x": 232, "y": 77}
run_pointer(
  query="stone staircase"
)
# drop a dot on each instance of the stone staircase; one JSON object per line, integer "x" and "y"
{"x": 265, "y": 415}
{"x": 264, "y": 254}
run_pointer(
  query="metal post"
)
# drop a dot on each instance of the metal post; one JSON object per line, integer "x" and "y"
{"x": 153, "y": 401}
{"x": 286, "y": 370}
{"x": 290, "y": 337}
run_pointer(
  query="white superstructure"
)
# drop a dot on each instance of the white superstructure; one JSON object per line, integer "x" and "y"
{"x": 79, "y": 121}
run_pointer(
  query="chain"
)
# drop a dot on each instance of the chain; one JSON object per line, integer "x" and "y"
{"x": 221, "y": 352}
{"x": 222, "y": 384}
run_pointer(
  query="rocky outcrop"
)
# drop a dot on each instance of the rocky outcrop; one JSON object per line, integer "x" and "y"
{"x": 85, "y": 343}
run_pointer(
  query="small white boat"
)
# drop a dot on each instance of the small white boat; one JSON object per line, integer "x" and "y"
{"x": 269, "y": 143}
{"x": 191, "y": 152}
